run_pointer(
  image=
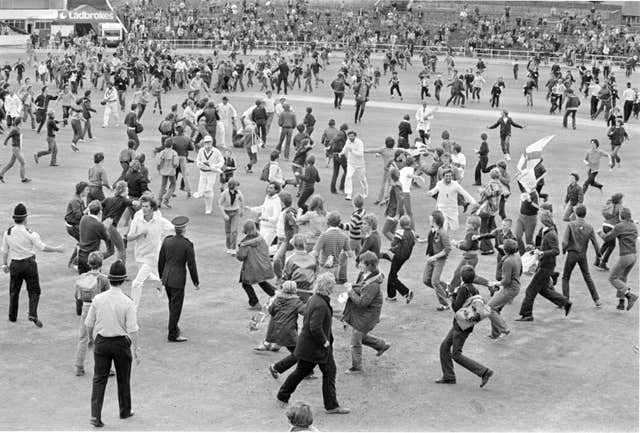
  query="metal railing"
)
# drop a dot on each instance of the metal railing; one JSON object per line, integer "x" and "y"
{"x": 491, "y": 53}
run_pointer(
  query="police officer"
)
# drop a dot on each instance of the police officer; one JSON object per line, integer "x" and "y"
{"x": 112, "y": 325}
{"x": 19, "y": 245}
{"x": 176, "y": 254}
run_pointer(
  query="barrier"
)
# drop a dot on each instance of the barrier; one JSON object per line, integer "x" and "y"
{"x": 491, "y": 53}
{"x": 13, "y": 40}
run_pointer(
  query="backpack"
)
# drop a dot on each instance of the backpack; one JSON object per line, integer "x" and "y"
{"x": 87, "y": 286}
{"x": 264, "y": 174}
{"x": 473, "y": 311}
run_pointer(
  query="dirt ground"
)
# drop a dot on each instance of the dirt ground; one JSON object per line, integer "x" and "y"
{"x": 575, "y": 373}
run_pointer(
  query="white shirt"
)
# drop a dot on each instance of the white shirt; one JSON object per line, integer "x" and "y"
{"x": 270, "y": 211}
{"x": 22, "y": 243}
{"x": 111, "y": 95}
{"x": 355, "y": 153}
{"x": 147, "y": 247}
{"x": 112, "y": 314}
{"x": 424, "y": 117}
{"x": 209, "y": 160}
{"x": 447, "y": 201}
{"x": 190, "y": 115}
{"x": 627, "y": 95}
{"x": 406, "y": 178}
{"x": 460, "y": 162}
{"x": 269, "y": 104}
{"x": 13, "y": 105}
{"x": 227, "y": 112}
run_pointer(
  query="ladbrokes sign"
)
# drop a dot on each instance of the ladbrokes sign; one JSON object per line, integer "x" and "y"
{"x": 86, "y": 16}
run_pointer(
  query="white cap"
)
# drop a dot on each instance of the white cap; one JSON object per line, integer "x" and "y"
{"x": 207, "y": 139}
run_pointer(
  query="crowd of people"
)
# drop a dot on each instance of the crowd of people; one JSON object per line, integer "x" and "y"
{"x": 295, "y": 250}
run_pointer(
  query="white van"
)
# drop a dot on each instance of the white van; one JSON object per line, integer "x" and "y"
{"x": 112, "y": 32}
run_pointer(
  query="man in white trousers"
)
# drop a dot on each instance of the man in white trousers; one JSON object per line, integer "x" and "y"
{"x": 148, "y": 229}
{"x": 111, "y": 105}
{"x": 354, "y": 151}
{"x": 424, "y": 116}
{"x": 228, "y": 116}
{"x": 269, "y": 213}
{"x": 209, "y": 161}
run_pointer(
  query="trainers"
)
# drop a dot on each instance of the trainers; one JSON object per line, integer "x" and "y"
{"x": 485, "y": 377}
{"x": 36, "y": 321}
{"x": 598, "y": 303}
{"x": 264, "y": 347}
{"x": 631, "y": 300}
{"x": 386, "y": 347}
{"x": 79, "y": 371}
{"x": 25, "y": 180}
{"x": 620, "y": 305}
{"x": 273, "y": 371}
{"x": 338, "y": 411}
{"x": 442, "y": 308}
{"x": 394, "y": 299}
{"x": 353, "y": 371}
{"x": 567, "y": 308}
{"x": 409, "y": 296}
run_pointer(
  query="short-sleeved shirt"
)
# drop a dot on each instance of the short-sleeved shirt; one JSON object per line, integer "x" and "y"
{"x": 21, "y": 243}
{"x": 112, "y": 314}
{"x": 406, "y": 178}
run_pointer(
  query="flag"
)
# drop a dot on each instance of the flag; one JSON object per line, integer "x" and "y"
{"x": 533, "y": 154}
{"x": 528, "y": 179}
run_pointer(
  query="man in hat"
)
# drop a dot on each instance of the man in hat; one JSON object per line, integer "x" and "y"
{"x": 209, "y": 161}
{"x": 19, "y": 245}
{"x": 548, "y": 249}
{"x": 176, "y": 253}
{"x": 112, "y": 325}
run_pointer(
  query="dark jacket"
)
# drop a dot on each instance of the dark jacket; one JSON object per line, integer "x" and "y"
{"x": 550, "y": 248}
{"x": 316, "y": 331}
{"x": 176, "y": 252}
{"x": 137, "y": 183}
{"x": 364, "y": 305}
{"x": 283, "y": 326}
{"x": 464, "y": 292}
{"x": 505, "y": 127}
{"x": 92, "y": 232}
{"x": 395, "y": 205}
{"x": 75, "y": 211}
{"x": 253, "y": 252}
{"x": 627, "y": 233}
{"x": 402, "y": 245}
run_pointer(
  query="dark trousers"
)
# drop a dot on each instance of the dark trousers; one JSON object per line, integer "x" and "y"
{"x": 495, "y": 101}
{"x": 285, "y": 138}
{"x": 25, "y": 270}
{"x": 482, "y": 167}
{"x": 261, "y": 131}
{"x": 487, "y": 224}
{"x": 302, "y": 201}
{"x": 359, "y": 110}
{"x": 175, "y": 295}
{"x": 627, "y": 107}
{"x": 565, "y": 119}
{"x": 116, "y": 349}
{"x": 594, "y": 105}
{"x": 393, "y": 282}
{"x": 74, "y": 232}
{"x": 574, "y": 258}
{"x": 540, "y": 284}
{"x": 287, "y": 362}
{"x": 281, "y": 81}
{"x": 451, "y": 350}
{"x": 397, "y": 88}
{"x": 87, "y": 129}
{"x": 607, "y": 247}
{"x": 591, "y": 180}
{"x": 424, "y": 92}
{"x": 339, "y": 161}
{"x": 304, "y": 369}
{"x": 337, "y": 99}
{"x": 264, "y": 285}
{"x": 501, "y": 207}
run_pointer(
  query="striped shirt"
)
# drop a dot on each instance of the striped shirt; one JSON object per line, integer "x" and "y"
{"x": 330, "y": 244}
{"x": 355, "y": 225}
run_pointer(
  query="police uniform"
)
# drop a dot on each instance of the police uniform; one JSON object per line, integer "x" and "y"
{"x": 176, "y": 254}
{"x": 19, "y": 245}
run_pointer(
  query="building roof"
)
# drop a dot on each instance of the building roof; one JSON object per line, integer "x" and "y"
{"x": 631, "y": 9}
